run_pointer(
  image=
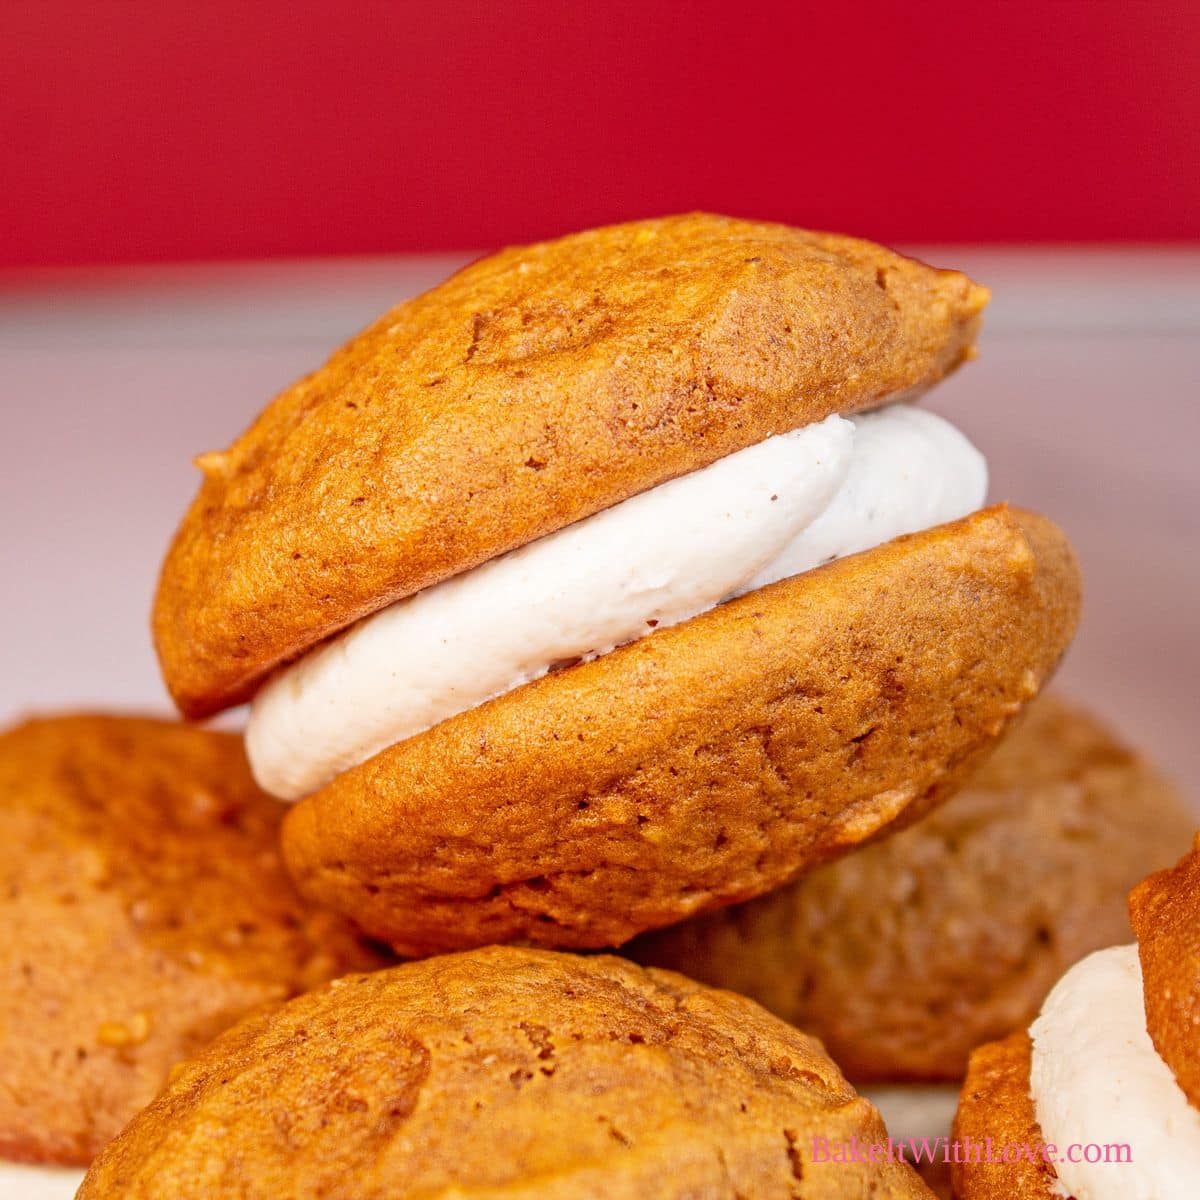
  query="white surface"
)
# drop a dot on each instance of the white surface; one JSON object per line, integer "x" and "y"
{"x": 772, "y": 510}
{"x": 1096, "y": 1080}
{"x": 915, "y": 1111}
{"x": 1084, "y": 401}
{"x": 19, "y": 1181}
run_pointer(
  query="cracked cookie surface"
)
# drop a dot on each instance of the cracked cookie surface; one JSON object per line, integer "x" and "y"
{"x": 504, "y": 1073}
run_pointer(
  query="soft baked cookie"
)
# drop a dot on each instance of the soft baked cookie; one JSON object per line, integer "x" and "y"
{"x": 1165, "y": 910}
{"x": 904, "y": 957}
{"x": 490, "y": 553}
{"x": 1108, "y": 1116}
{"x": 143, "y": 910}
{"x": 505, "y": 1073}
{"x": 995, "y": 1104}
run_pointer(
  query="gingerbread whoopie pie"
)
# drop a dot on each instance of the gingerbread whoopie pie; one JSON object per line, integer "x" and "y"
{"x": 507, "y": 1072}
{"x": 143, "y": 910}
{"x": 612, "y": 580}
{"x": 1104, "y": 1086}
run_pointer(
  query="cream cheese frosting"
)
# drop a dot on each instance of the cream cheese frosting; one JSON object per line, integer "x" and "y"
{"x": 37, "y": 1181}
{"x": 1097, "y": 1081}
{"x": 773, "y": 510}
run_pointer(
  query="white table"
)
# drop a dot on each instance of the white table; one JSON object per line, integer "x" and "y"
{"x": 1085, "y": 400}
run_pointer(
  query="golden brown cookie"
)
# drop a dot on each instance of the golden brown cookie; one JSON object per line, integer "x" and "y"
{"x": 533, "y": 388}
{"x": 995, "y": 1104}
{"x": 704, "y": 764}
{"x": 904, "y": 957}
{"x": 503, "y": 1073}
{"x": 143, "y": 909}
{"x": 1165, "y": 910}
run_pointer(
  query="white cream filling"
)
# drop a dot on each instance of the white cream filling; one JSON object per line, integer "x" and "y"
{"x": 910, "y": 470}
{"x": 920, "y": 1112}
{"x": 772, "y": 510}
{"x": 1097, "y": 1081}
{"x": 37, "y": 1181}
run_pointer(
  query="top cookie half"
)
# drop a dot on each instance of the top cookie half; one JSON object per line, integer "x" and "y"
{"x": 532, "y": 389}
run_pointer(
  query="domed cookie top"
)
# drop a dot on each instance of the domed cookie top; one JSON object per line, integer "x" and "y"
{"x": 1024, "y": 872}
{"x": 503, "y": 1072}
{"x": 1165, "y": 910}
{"x": 144, "y": 910}
{"x": 531, "y": 389}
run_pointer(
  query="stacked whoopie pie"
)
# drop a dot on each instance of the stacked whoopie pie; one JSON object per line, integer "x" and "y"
{"x": 1108, "y": 1076}
{"x": 612, "y": 581}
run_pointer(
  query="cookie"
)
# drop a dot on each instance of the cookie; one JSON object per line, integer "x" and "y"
{"x": 704, "y": 764}
{"x": 504, "y": 1072}
{"x": 533, "y": 388}
{"x": 995, "y": 1104}
{"x": 904, "y": 957}
{"x": 1165, "y": 910}
{"x": 144, "y": 909}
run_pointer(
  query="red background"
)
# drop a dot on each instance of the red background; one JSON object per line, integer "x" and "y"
{"x": 139, "y": 131}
